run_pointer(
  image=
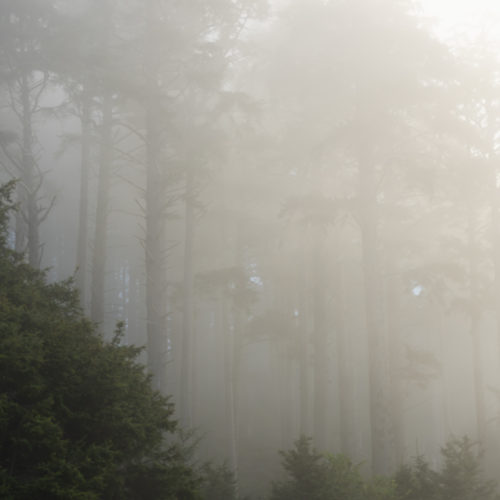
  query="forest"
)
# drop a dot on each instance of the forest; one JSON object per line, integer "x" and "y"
{"x": 292, "y": 205}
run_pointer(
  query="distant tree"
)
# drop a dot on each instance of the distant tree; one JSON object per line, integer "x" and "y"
{"x": 219, "y": 483}
{"x": 78, "y": 416}
{"x": 27, "y": 28}
{"x": 314, "y": 476}
{"x": 461, "y": 477}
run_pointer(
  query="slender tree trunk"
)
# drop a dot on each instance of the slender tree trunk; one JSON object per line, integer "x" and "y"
{"x": 187, "y": 305}
{"x": 391, "y": 307}
{"x": 495, "y": 230}
{"x": 29, "y": 176}
{"x": 154, "y": 244}
{"x": 82, "y": 243}
{"x": 381, "y": 453}
{"x": 343, "y": 362}
{"x": 320, "y": 345}
{"x": 20, "y": 220}
{"x": 475, "y": 330}
{"x": 97, "y": 298}
{"x": 230, "y": 390}
{"x": 303, "y": 344}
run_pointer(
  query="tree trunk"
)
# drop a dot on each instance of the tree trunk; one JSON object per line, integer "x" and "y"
{"x": 320, "y": 345}
{"x": 187, "y": 305}
{"x": 391, "y": 308}
{"x": 154, "y": 244}
{"x": 475, "y": 331}
{"x": 82, "y": 243}
{"x": 229, "y": 347}
{"x": 303, "y": 343}
{"x": 381, "y": 453}
{"x": 495, "y": 230}
{"x": 102, "y": 211}
{"x": 344, "y": 365}
{"x": 29, "y": 177}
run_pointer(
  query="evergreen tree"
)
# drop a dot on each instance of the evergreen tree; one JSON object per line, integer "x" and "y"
{"x": 78, "y": 416}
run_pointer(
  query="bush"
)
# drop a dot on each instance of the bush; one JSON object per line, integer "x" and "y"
{"x": 459, "y": 479}
{"x": 315, "y": 476}
{"x": 218, "y": 483}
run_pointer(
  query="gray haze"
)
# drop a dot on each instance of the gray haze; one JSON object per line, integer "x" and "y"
{"x": 294, "y": 207}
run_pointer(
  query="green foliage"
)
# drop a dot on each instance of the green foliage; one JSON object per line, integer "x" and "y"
{"x": 218, "y": 483}
{"x": 461, "y": 476}
{"x": 314, "y": 476}
{"x": 311, "y": 475}
{"x": 459, "y": 479}
{"x": 417, "y": 481}
{"x": 78, "y": 416}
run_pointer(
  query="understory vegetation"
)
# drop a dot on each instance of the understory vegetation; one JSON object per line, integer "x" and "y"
{"x": 311, "y": 475}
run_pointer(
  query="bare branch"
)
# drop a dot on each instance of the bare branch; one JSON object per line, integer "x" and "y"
{"x": 9, "y": 156}
{"x": 132, "y": 183}
{"x": 43, "y": 85}
{"x": 133, "y": 130}
{"x": 45, "y": 212}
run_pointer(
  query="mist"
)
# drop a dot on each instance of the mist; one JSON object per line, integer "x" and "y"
{"x": 293, "y": 206}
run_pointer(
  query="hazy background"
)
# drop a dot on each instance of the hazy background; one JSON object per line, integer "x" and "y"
{"x": 293, "y": 206}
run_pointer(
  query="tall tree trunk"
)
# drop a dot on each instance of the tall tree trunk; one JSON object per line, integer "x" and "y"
{"x": 20, "y": 219}
{"x": 187, "y": 305}
{"x": 29, "y": 176}
{"x": 391, "y": 308}
{"x": 97, "y": 298}
{"x": 154, "y": 244}
{"x": 303, "y": 343}
{"x": 82, "y": 243}
{"x": 320, "y": 345}
{"x": 381, "y": 453}
{"x": 475, "y": 332}
{"x": 495, "y": 246}
{"x": 344, "y": 366}
{"x": 230, "y": 389}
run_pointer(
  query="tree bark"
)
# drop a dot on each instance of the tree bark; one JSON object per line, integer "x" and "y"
{"x": 29, "y": 177}
{"x": 320, "y": 345}
{"x": 97, "y": 299}
{"x": 303, "y": 344}
{"x": 475, "y": 331}
{"x": 344, "y": 367}
{"x": 154, "y": 244}
{"x": 381, "y": 453}
{"x": 187, "y": 305}
{"x": 82, "y": 242}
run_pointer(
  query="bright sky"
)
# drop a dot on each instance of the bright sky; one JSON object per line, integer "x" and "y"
{"x": 465, "y": 18}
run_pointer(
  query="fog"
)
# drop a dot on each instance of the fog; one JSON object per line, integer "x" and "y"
{"x": 293, "y": 206}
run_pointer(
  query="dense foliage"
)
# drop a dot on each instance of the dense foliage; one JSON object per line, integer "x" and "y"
{"x": 460, "y": 477}
{"x": 311, "y": 475}
{"x": 78, "y": 416}
{"x": 314, "y": 476}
